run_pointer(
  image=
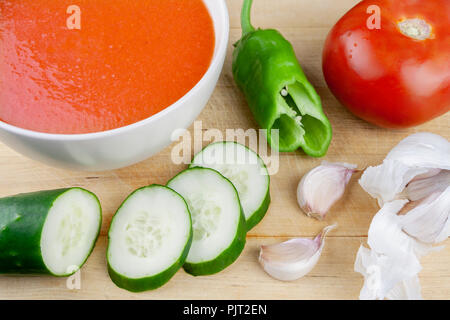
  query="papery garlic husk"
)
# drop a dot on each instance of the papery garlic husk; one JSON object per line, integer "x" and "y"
{"x": 409, "y": 289}
{"x": 392, "y": 257}
{"x": 387, "y": 237}
{"x": 421, "y": 156}
{"x": 293, "y": 259}
{"x": 386, "y": 277}
{"x": 322, "y": 186}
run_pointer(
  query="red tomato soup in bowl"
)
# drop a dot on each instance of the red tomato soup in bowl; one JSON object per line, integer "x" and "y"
{"x": 100, "y": 65}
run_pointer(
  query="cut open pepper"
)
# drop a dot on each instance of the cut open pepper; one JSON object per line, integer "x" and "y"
{"x": 280, "y": 96}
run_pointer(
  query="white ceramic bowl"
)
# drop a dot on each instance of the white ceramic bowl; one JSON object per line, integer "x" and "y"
{"x": 127, "y": 145}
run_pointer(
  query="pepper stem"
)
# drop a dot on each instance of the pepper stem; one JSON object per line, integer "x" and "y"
{"x": 245, "y": 17}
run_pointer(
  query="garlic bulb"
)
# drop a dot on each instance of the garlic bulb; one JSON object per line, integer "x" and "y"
{"x": 322, "y": 186}
{"x": 412, "y": 187}
{"x": 294, "y": 258}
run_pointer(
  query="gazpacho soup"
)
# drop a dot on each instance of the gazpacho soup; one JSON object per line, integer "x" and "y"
{"x": 83, "y": 66}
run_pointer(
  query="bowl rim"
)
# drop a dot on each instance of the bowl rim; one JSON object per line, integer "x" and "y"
{"x": 220, "y": 49}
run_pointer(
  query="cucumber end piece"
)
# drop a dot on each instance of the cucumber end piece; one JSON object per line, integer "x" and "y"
{"x": 70, "y": 231}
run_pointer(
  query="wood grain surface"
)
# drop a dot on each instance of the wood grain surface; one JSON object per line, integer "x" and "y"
{"x": 305, "y": 23}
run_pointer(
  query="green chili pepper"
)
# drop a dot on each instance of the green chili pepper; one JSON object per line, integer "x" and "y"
{"x": 266, "y": 69}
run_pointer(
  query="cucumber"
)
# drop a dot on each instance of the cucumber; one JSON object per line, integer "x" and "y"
{"x": 246, "y": 171}
{"x": 217, "y": 218}
{"x": 48, "y": 232}
{"x": 149, "y": 239}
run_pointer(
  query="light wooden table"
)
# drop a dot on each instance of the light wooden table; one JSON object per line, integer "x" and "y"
{"x": 305, "y": 23}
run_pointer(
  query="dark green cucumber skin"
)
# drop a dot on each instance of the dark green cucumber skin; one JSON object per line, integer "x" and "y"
{"x": 230, "y": 254}
{"x": 260, "y": 213}
{"x": 22, "y": 218}
{"x": 155, "y": 281}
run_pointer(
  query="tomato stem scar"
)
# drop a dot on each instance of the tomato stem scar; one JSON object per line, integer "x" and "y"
{"x": 416, "y": 28}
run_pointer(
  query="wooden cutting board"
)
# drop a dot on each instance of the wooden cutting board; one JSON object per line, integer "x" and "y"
{"x": 305, "y": 23}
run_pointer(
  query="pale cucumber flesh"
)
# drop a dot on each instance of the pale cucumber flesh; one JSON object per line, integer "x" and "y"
{"x": 149, "y": 238}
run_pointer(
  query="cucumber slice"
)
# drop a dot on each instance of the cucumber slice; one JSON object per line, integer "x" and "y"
{"x": 217, "y": 218}
{"x": 246, "y": 171}
{"x": 48, "y": 232}
{"x": 149, "y": 239}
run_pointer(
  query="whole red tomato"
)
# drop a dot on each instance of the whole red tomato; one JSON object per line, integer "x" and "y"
{"x": 395, "y": 71}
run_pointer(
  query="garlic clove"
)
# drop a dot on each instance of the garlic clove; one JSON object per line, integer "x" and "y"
{"x": 292, "y": 259}
{"x": 428, "y": 174}
{"x": 429, "y": 221}
{"x": 434, "y": 181}
{"x": 322, "y": 186}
